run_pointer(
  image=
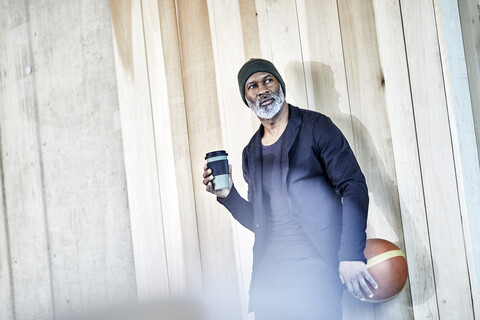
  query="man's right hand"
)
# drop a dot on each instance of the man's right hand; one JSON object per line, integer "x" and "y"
{"x": 356, "y": 276}
{"x": 208, "y": 178}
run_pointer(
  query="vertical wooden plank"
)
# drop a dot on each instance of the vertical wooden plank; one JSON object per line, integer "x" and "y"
{"x": 206, "y": 134}
{"x": 235, "y": 118}
{"x": 22, "y": 169}
{"x": 436, "y": 159}
{"x": 470, "y": 24}
{"x": 164, "y": 147}
{"x": 251, "y": 37}
{"x": 389, "y": 29}
{"x": 278, "y": 27}
{"x": 323, "y": 62}
{"x": 82, "y": 156}
{"x": 371, "y": 129}
{"x": 181, "y": 149}
{"x": 462, "y": 128}
{"x": 139, "y": 148}
{"x": 250, "y": 34}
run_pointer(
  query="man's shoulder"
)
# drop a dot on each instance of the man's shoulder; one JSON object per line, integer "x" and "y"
{"x": 319, "y": 125}
{"x": 307, "y": 115}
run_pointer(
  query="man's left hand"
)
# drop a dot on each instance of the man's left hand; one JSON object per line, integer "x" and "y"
{"x": 355, "y": 275}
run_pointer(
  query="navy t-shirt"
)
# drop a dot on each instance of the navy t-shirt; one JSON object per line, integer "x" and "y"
{"x": 285, "y": 236}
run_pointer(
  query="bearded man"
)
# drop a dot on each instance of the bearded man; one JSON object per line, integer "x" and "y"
{"x": 307, "y": 205}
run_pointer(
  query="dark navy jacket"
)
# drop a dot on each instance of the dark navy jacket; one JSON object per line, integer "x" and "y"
{"x": 325, "y": 188}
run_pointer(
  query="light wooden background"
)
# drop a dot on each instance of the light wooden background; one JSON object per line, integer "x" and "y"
{"x": 107, "y": 111}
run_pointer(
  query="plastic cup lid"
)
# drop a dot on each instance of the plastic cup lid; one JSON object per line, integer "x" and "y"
{"x": 216, "y": 154}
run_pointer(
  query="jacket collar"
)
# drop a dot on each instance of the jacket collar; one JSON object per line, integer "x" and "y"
{"x": 255, "y": 149}
{"x": 291, "y": 131}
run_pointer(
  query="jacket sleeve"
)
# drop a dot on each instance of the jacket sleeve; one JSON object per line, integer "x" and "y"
{"x": 349, "y": 182}
{"x": 241, "y": 209}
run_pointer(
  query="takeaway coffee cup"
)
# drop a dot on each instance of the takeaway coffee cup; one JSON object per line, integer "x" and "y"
{"x": 217, "y": 161}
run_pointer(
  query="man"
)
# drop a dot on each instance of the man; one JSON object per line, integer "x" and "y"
{"x": 307, "y": 205}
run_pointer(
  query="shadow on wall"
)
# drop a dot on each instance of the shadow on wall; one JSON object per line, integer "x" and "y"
{"x": 382, "y": 188}
{"x": 380, "y": 185}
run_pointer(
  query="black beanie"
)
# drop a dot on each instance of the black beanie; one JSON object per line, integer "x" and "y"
{"x": 257, "y": 65}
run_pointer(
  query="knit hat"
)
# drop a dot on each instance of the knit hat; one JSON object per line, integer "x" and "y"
{"x": 257, "y": 65}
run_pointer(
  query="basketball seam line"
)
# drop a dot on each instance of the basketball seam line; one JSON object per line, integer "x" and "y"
{"x": 384, "y": 256}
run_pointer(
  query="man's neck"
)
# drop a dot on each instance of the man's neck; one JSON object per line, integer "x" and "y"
{"x": 273, "y": 128}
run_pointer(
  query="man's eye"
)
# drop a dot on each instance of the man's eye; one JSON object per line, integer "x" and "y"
{"x": 268, "y": 80}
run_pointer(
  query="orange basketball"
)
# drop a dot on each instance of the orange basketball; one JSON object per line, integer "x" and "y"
{"x": 386, "y": 263}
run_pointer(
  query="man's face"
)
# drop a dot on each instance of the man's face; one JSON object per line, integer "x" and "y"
{"x": 264, "y": 94}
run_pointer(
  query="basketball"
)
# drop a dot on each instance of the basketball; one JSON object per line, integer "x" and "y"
{"x": 387, "y": 264}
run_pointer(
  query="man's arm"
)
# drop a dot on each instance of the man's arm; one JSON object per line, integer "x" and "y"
{"x": 349, "y": 183}
{"x": 240, "y": 209}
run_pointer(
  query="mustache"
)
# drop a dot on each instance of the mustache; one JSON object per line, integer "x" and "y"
{"x": 267, "y": 96}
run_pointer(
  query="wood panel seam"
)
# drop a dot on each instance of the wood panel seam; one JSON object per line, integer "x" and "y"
{"x": 434, "y": 278}
{"x": 188, "y": 138}
{"x": 453, "y": 153}
{"x": 154, "y": 142}
{"x": 346, "y": 81}
{"x": 302, "y": 56}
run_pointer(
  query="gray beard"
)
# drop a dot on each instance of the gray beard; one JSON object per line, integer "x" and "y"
{"x": 269, "y": 111}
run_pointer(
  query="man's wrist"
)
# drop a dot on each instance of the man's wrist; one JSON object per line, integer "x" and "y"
{"x": 224, "y": 193}
{"x": 227, "y": 196}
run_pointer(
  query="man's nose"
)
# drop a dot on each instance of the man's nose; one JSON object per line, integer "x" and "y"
{"x": 262, "y": 90}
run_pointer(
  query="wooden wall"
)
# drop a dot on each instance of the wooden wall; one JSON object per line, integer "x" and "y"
{"x": 374, "y": 66}
{"x": 460, "y": 60}
{"x": 107, "y": 109}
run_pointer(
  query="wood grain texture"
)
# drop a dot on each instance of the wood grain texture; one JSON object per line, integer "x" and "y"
{"x": 250, "y": 34}
{"x": 349, "y": 62}
{"x": 181, "y": 149}
{"x": 164, "y": 154}
{"x": 251, "y": 37}
{"x": 407, "y": 163}
{"x": 371, "y": 130}
{"x": 461, "y": 120}
{"x": 228, "y": 53}
{"x": 280, "y": 43}
{"x": 436, "y": 160}
{"x": 140, "y": 154}
{"x": 470, "y": 24}
{"x": 206, "y": 134}
{"x": 323, "y": 62}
